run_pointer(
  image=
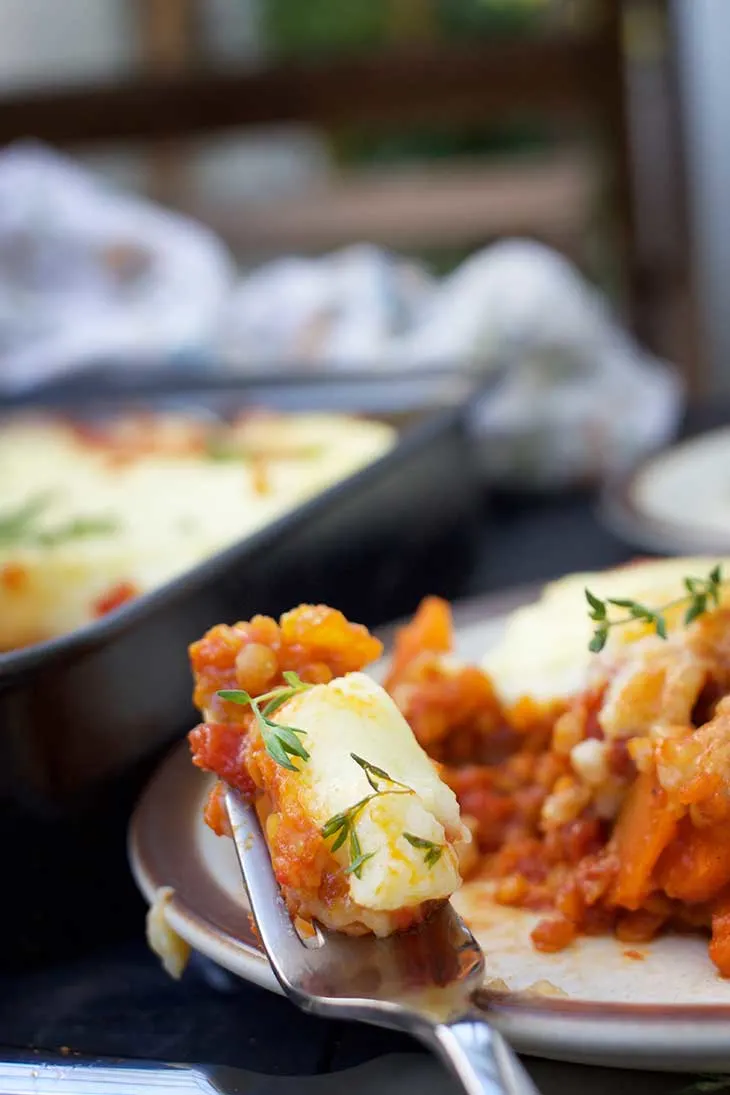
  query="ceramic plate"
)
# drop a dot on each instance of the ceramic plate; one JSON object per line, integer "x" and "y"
{"x": 678, "y": 500}
{"x": 658, "y": 1005}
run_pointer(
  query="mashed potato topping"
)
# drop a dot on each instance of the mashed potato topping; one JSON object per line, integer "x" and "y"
{"x": 364, "y": 835}
{"x": 172, "y": 951}
{"x": 90, "y": 517}
{"x": 544, "y": 651}
{"x": 353, "y": 714}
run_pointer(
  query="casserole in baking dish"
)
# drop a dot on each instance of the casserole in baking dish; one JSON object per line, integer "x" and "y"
{"x": 93, "y": 515}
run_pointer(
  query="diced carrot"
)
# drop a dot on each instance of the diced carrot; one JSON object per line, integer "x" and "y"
{"x": 553, "y": 934}
{"x": 645, "y": 826}
{"x": 114, "y": 598}
{"x": 430, "y": 631}
{"x": 696, "y": 865}
{"x": 14, "y": 577}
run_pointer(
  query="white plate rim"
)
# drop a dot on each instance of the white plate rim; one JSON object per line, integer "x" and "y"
{"x": 623, "y": 515}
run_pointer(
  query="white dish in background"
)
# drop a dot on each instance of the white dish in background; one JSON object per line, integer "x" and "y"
{"x": 594, "y": 1003}
{"x": 678, "y": 500}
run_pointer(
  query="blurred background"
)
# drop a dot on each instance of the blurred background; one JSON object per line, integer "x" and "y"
{"x": 427, "y": 127}
{"x": 345, "y": 174}
{"x": 512, "y": 209}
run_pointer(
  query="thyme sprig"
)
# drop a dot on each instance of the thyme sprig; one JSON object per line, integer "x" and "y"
{"x": 342, "y": 826}
{"x": 77, "y": 529}
{"x": 433, "y": 851}
{"x": 700, "y": 594}
{"x": 19, "y": 525}
{"x": 707, "y": 1082}
{"x": 15, "y": 524}
{"x": 373, "y": 774}
{"x": 221, "y": 450}
{"x": 281, "y": 742}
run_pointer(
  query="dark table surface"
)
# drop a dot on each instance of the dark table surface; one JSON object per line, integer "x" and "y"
{"x": 116, "y": 1000}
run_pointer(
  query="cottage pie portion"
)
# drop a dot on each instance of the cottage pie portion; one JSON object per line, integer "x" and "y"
{"x": 364, "y": 836}
{"x": 92, "y": 516}
{"x": 602, "y": 801}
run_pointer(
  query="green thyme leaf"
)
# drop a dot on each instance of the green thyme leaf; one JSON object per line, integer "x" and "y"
{"x": 342, "y": 826}
{"x": 79, "y": 528}
{"x": 290, "y": 742}
{"x": 598, "y": 607}
{"x": 281, "y": 742}
{"x": 714, "y": 583}
{"x": 598, "y": 641}
{"x": 276, "y": 702}
{"x": 19, "y": 526}
{"x": 15, "y": 523}
{"x": 418, "y": 841}
{"x": 373, "y": 773}
{"x": 433, "y": 851}
{"x": 342, "y": 837}
{"x": 707, "y": 1083}
{"x": 221, "y": 450}
{"x": 235, "y": 695}
{"x": 276, "y": 750}
{"x": 339, "y": 821}
{"x": 294, "y": 680}
{"x": 696, "y": 608}
{"x": 357, "y": 864}
{"x": 355, "y": 847}
{"x": 700, "y": 592}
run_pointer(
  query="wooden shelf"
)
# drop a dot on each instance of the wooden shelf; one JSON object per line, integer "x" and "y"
{"x": 558, "y": 75}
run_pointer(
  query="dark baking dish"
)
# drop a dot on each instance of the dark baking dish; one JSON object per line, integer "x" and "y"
{"x": 83, "y": 719}
{"x": 80, "y": 708}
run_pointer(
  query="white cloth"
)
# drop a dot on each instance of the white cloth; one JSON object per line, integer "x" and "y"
{"x": 578, "y": 398}
{"x": 342, "y": 310}
{"x": 88, "y": 274}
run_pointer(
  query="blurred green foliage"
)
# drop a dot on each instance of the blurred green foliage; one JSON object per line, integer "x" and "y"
{"x": 490, "y": 17}
{"x": 359, "y": 148}
{"x": 311, "y": 28}
{"x": 306, "y": 27}
{"x": 295, "y": 27}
